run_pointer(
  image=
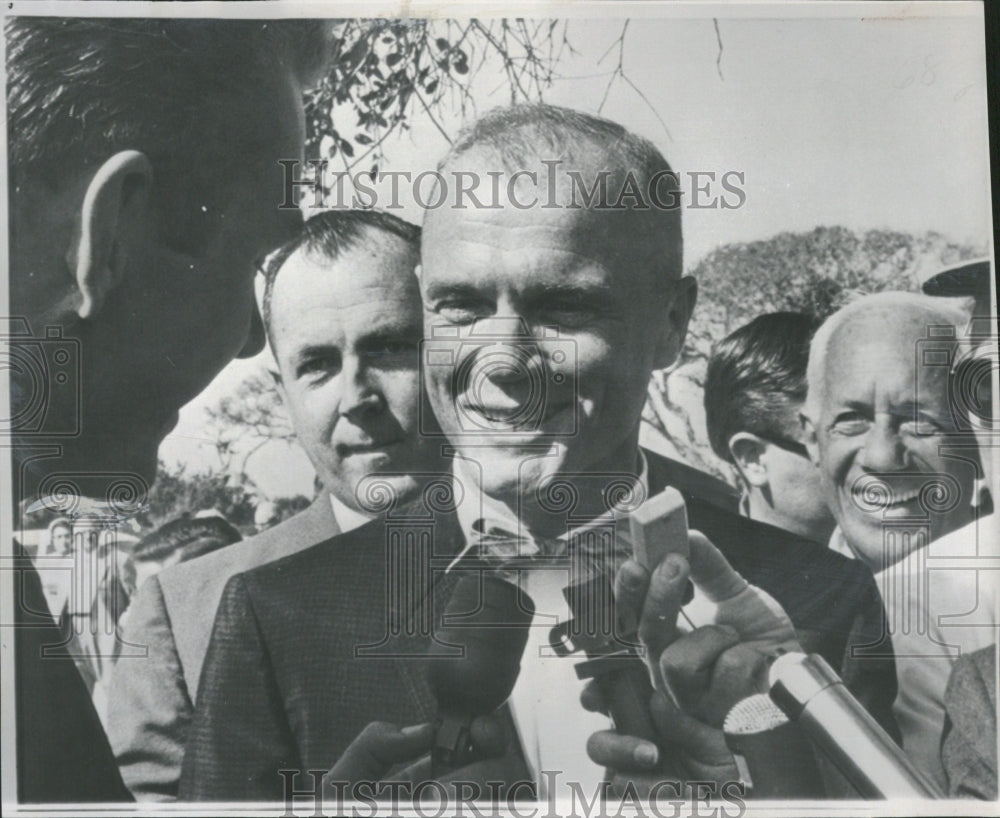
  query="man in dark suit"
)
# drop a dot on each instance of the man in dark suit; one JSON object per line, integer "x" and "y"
{"x": 542, "y": 325}
{"x": 137, "y": 211}
{"x": 338, "y": 297}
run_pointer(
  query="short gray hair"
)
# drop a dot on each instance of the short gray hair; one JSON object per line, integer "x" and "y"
{"x": 517, "y": 135}
{"x": 929, "y": 310}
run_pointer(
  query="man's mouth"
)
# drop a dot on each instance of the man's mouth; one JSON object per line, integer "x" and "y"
{"x": 885, "y": 497}
{"x": 510, "y": 417}
{"x": 373, "y": 447}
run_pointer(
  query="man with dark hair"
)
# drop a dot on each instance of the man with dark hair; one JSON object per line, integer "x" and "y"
{"x": 543, "y": 319}
{"x": 342, "y": 312}
{"x": 144, "y": 184}
{"x": 754, "y": 389}
{"x": 180, "y": 540}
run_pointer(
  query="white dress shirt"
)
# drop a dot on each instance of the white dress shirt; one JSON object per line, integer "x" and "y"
{"x": 552, "y": 725}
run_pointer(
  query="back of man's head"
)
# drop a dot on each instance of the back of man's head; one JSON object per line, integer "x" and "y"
{"x": 756, "y": 379}
{"x": 581, "y": 162}
{"x": 186, "y": 538}
{"x": 328, "y": 234}
{"x": 183, "y": 91}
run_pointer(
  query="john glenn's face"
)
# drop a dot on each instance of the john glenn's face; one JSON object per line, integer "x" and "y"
{"x": 543, "y": 340}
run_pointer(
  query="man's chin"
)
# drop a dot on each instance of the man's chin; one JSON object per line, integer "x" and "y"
{"x": 513, "y": 471}
{"x": 377, "y": 492}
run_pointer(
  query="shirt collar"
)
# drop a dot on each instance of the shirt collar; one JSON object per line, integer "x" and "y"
{"x": 839, "y": 543}
{"x": 474, "y": 505}
{"x": 348, "y": 518}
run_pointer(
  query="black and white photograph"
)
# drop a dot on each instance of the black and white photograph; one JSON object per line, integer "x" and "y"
{"x": 540, "y": 409}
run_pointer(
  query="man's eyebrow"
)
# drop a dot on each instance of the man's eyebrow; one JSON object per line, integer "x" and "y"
{"x": 453, "y": 290}
{"x": 914, "y": 408}
{"x": 584, "y": 290}
{"x": 859, "y": 406}
{"x": 314, "y": 350}
{"x": 393, "y": 332}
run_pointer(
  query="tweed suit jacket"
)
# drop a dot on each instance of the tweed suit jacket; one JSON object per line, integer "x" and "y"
{"x": 308, "y": 650}
{"x": 154, "y": 683}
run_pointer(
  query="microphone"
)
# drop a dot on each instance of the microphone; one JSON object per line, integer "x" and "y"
{"x": 774, "y": 758}
{"x": 488, "y": 619}
{"x": 808, "y": 691}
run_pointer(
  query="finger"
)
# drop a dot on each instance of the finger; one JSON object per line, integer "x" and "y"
{"x": 592, "y": 698}
{"x": 658, "y": 627}
{"x": 710, "y": 570}
{"x": 739, "y": 672}
{"x": 701, "y": 744}
{"x": 379, "y": 747}
{"x": 686, "y": 665}
{"x": 488, "y": 736}
{"x": 612, "y": 749}
{"x": 631, "y": 582}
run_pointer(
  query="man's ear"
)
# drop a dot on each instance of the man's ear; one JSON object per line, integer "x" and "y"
{"x": 675, "y": 326}
{"x": 114, "y": 206}
{"x": 747, "y": 450}
{"x": 809, "y": 439}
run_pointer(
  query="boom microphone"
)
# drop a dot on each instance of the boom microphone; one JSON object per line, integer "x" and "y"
{"x": 808, "y": 690}
{"x": 487, "y": 619}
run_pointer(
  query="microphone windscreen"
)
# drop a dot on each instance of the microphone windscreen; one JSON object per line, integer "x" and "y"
{"x": 773, "y": 757}
{"x": 754, "y": 714}
{"x": 475, "y": 658}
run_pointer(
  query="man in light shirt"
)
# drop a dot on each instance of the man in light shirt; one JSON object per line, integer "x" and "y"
{"x": 342, "y": 314}
{"x": 900, "y": 467}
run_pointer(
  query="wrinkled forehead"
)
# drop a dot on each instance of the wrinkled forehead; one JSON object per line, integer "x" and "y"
{"x": 600, "y": 207}
{"x": 907, "y": 352}
{"x": 367, "y": 278}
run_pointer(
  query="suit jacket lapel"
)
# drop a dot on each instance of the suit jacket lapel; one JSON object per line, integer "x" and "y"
{"x": 425, "y": 543}
{"x": 318, "y": 522}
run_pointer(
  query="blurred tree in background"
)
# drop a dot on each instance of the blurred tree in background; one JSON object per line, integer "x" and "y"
{"x": 816, "y": 272}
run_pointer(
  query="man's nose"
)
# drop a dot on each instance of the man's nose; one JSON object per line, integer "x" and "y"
{"x": 507, "y": 353}
{"x": 255, "y": 338}
{"x": 883, "y": 448}
{"x": 360, "y": 395}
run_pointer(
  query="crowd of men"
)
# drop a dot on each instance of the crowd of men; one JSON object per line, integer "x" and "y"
{"x": 472, "y": 389}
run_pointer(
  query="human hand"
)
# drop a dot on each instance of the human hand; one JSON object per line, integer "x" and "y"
{"x": 382, "y": 746}
{"x": 652, "y": 602}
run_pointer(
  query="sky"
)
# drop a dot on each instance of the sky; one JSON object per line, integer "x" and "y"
{"x": 866, "y": 123}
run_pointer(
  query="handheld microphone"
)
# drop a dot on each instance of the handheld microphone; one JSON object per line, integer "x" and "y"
{"x": 488, "y": 620}
{"x": 774, "y": 758}
{"x": 808, "y": 690}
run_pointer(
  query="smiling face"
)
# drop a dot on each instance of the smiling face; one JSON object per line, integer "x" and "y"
{"x": 877, "y": 430}
{"x": 346, "y": 334}
{"x": 550, "y": 329}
